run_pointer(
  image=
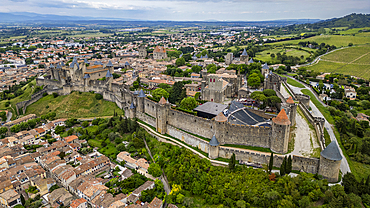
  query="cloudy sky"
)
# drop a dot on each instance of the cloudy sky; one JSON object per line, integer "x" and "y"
{"x": 183, "y": 10}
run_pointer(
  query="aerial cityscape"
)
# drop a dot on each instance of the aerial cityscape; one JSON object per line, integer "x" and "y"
{"x": 154, "y": 104}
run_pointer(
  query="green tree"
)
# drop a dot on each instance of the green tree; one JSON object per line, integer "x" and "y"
{"x": 136, "y": 84}
{"x": 158, "y": 93}
{"x": 232, "y": 162}
{"x": 180, "y": 198}
{"x": 178, "y": 93}
{"x": 180, "y": 62}
{"x": 59, "y": 129}
{"x": 3, "y": 130}
{"x": 85, "y": 124}
{"x": 271, "y": 163}
{"x": 3, "y": 116}
{"x": 282, "y": 167}
{"x": 155, "y": 170}
{"x": 254, "y": 80}
{"x": 259, "y": 96}
{"x": 289, "y": 165}
{"x": 23, "y": 201}
{"x": 196, "y": 68}
{"x": 188, "y": 103}
{"x": 269, "y": 92}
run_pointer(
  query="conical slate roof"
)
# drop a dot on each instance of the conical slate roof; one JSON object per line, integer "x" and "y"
{"x": 331, "y": 152}
{"x": 214, "y": 141}
{"x": 220, "y": 117}
{"x": 136, "y": 92}
{"x": 281, "y": 118}
{"x": 58, "y": 66}
{"x": 86, "y": 76}
{"x": 72, "y": 64}
{"x": 290, "y": 100}
{"x": 162, "y": 101}
{"x": 51, "y": 66}
{"x": 109, "y": 63}
{"x": 141, "y": 93}
{"x": 127, "y": 64}
{"x": 251, "y": 61}
{"x": 62, "y": 64}
{"x": 265, "y": 66}
{"x": 244, "y": 53}
{"x": 132, "y": 106}
{"x": 108, "y": 74}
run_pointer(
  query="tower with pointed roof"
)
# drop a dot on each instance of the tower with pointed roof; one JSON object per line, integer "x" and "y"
{"x": 140, "y": 101}
{"x": 244, "y": 57}
{"x": 280, "y": 133}
{"x": 330, "y": 159}
{"x": 213, "y": 149}
{"x": 161, "y": 114}
{"x": 132, "y": 110}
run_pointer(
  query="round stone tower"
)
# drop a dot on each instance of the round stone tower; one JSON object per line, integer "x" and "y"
{"x": 213, "y": 148}
{"x": 293, "y": 110}
{"x": 162, "y": 111}
{"x": 140, "y": 101}
{"x": 280, "y": 133}
{"x": 330, "y": 159}
{"x": 132, "y": 111}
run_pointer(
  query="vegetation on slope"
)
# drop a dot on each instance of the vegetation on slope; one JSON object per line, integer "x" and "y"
{"x": 76, "y": 105}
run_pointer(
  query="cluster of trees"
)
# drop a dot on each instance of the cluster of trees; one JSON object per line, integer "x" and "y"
{"x": 192, "y": 177}
{"x": 267, "y": 97}
{"x": 15, "y": 90}
{"x": 30, "y": 124}
{"x": 362, "y": 188}
{"x": 355, "y": 135}
{"x": 175, "y": 94}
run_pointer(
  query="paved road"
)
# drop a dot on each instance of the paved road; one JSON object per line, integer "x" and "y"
{"x": 10, "y": 114}
{"x": 344, "y": 167}
{"x": 317, "y": 59}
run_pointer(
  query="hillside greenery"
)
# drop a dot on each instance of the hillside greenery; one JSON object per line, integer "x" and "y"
{"x": 76, "y": 105}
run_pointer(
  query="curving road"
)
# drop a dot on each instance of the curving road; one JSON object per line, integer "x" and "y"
{"x": 344, "y": 167}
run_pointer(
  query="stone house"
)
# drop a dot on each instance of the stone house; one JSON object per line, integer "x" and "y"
{"x": 10, "y": 198}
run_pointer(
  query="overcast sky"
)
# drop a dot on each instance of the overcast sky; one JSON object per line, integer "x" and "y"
{"x": 183, "y": 10}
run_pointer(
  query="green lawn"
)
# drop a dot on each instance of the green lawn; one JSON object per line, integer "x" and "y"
{"x": 75, "y": 105}
{"x": 336, "y": 40}
{"x": 94, "y": 143}
{"x": 295, "y": 83}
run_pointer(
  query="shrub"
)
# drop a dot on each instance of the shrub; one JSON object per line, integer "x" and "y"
{"x": 55, "y": 94}
{"x": 98, "y": 96}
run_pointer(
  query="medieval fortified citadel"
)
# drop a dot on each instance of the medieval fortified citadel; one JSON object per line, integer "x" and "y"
{"x": 239, "y": 126}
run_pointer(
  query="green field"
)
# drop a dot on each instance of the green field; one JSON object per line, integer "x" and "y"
{"x": 336, "y": 40}
{"x": 349, "y": 61}
{"x": 265, "y": 55}
{"x": 75, "y": 105}
{"x": 353, "y": 31}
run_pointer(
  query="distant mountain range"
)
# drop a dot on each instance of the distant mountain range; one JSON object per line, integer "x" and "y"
{"x": 49, "y": 19}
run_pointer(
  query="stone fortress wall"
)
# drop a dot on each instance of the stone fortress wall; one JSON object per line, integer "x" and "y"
{"x": 177, "y": 124}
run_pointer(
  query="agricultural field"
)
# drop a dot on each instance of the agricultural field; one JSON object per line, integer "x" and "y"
{"x": 354, "y": 30}
{"x": 75, "y": 105}
{"x": 265, "y": 55}
{"x": 349, "y": 61}
{"x": 337, "y": 40}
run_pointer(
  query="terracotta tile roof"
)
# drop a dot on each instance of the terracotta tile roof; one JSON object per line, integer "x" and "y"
{"x": 69, "y": 139}
{"x": 162, "y": 101}
{"x": 220, "y": 117}
{"x": 281, "y": 118}
{"x": 290, "y": 100}
{"x": 94, "y": 67}
{"x": 75, "y": 203}
{"x": 156, "y": 203}
{"x": 159, "y": 49}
